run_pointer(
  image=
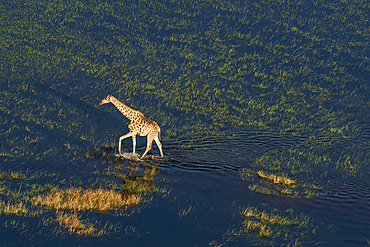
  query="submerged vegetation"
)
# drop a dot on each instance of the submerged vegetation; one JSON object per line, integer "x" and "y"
{"x": 35, "y": 200}
{"x": 74, "y": 224}
{"x": 297, "y": 69}
{"x": 279, "y": 185}
{"x": 277, "y": 224}
{"x": 207, "y": 69}
{"x": 253, "y": 67}
{"x": 210, "y": 68}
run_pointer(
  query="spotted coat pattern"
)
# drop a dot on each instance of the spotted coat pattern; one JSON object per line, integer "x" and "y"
{"x": 139, "y": 125}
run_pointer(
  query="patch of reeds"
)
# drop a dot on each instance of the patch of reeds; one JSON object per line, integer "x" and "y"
{"x": 261, "y": 189}
{"x": 17, "y": 175}
{"x": 273, "y": 224}
{"x": 295, "y": 243}
{"x": 263, "y": 230}
{"x": 276, "y": 179}
{"x": 13, "y": 209}
{"x": 274, "y": 219}
{"x": 77, "y": 199}
{"x": 74, "y": 224}
{"x": 68, "y": 146}
{"x": 108, "y": 145}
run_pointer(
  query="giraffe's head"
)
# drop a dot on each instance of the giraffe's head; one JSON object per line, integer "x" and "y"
{"x": 107, "y": 99}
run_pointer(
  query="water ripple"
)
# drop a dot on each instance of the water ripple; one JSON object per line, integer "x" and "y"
{"x": 347, "y": 208}
{"x": 204, "y": 153}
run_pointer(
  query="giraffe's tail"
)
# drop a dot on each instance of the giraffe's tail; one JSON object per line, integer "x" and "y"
{"x": 159, "y": 135}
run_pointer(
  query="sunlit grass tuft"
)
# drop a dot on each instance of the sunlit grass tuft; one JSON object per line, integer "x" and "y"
{"x": 14, "y": 175}
{"x": 74, "y": 224}
{"x": 275, "y": 219}
{"x": 263, "y": 230}
{"x": 68, "y": 146}
{"x": 108, "y": 145}
{"x": 17, "y": 175}
{"x": 276, "y": 179}
{"x": 261, "y": 189}
{"x": 77, "y": 199}
{"x": 13, "y": 209}
{"x": 272, "y": 224}
{"x": 295, "y": 243}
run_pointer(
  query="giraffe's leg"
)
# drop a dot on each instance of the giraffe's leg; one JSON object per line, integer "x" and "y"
{"x": 148, "y": 144}
{"x": 133, "y": 143}
{"x": 159, "y": 144}
{"x": 123, "y": 137}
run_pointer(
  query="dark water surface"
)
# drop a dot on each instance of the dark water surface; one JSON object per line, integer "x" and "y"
{"x": 237, "y": 87}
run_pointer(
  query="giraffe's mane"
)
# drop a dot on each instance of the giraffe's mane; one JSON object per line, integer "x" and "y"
{"x": 123, "y": 104}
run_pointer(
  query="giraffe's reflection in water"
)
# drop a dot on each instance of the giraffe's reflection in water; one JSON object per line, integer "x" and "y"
{"x": 136, "y": 181}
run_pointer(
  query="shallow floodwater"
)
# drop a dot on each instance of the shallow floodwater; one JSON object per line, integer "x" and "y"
{"x": 239, "y": 89}
{"x": 204, "y": 200}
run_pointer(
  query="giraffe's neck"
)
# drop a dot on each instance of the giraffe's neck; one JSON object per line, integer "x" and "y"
{"x": 124, "y": 109}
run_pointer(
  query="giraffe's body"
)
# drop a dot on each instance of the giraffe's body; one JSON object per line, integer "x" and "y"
{"x": 139, "y": 125}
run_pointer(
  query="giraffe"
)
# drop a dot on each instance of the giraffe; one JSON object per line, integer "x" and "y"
{"x": 139, "y": 125}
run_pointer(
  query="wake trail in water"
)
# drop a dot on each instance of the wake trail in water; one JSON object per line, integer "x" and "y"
{"x": 128, "y": 156}
{"x": 241, "y": 149}
{"x": 347, "y": 209}
{"x": 205, "y": 153}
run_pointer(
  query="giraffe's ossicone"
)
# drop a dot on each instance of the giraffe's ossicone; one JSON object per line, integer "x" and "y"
{"x": 139, "y": 125}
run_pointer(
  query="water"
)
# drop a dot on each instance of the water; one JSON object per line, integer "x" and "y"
{"x": 206, "y": 198}
{"x": 236, "y": 87}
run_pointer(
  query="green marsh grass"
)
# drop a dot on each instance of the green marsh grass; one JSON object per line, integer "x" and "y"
{"x": 270, "y": 184}
{"x": 263, "y": 230}
{"x": 277, "y": 75}
{"x": 275, "y": 224}
{"x": 262, "y": 189}
{"x": 185, "y": 211}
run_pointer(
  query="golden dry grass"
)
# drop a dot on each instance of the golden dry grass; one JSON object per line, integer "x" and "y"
{"x": 276, "y": 179}
{"x": 255, "y": 216}
{"x": 250, "y": 225}
{"x": 13, "y": 209}
{"x": 77, "y": 199}
{"x": 74, "y": 224}
{"x": 264, "y": 231}
{"x": 286, "y": 191}
{"x": 248, "y": 212}
{"x": 295, "y": 244}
